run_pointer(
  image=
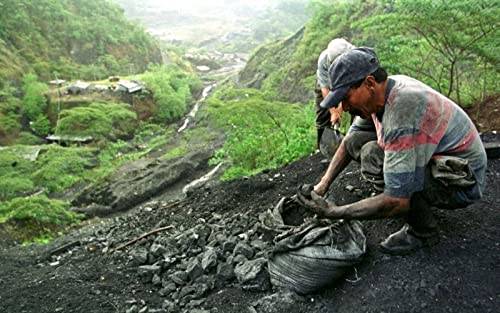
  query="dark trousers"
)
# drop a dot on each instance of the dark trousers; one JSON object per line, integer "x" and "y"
{"x": 363, "y": 147}
{"x": 322, "y": 115}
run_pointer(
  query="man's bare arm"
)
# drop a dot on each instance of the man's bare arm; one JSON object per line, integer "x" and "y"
{"x": 338, "y": 163}
{"x": 379, "y": 206}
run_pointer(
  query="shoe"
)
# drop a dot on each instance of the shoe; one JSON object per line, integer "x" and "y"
{"x": 404, "y": 242}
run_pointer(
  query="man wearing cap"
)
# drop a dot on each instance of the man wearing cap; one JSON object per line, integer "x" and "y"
{"x": 327, "y": 117}
{"x": 425, "y": 149}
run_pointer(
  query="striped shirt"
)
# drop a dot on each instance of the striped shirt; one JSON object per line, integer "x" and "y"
{"x": 418, "y": 124}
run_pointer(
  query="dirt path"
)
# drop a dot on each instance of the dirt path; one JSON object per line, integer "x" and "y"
{"x": 461, "y": 274}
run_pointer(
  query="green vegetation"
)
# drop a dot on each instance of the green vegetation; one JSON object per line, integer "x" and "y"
{"x": 99, "y": 120}
{"x": 261, "y": 132}
{"x": 450, "y": 45}
{"x": 37, "y": 220}
{"x": 10, "y": 126}
{"x": 172, "y": 88}
{"x": 71, "y": 40}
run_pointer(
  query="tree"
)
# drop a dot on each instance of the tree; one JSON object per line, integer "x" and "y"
{"x": 453, "y": 29}
{"x": 34, "y": 101}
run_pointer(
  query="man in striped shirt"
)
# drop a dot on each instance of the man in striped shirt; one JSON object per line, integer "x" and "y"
{"x": 424, "y": 151}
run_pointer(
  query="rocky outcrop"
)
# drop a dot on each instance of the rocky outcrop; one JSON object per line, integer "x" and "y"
{"x": 140, "y": 181}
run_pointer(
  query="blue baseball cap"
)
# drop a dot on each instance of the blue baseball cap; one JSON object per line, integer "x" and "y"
{"x": 348, "y": 68}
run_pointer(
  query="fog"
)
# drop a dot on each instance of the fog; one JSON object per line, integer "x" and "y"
{"x": 230, "y": 25}
{"x": 186, "y": 5}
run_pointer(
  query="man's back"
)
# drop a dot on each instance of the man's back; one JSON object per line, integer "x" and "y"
{"x": 418, "y": 124}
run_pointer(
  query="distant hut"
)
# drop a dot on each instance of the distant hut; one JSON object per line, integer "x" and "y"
{"x": 67, "y": 140}
{"x": 57, "y": 82}
{"x": 130, "y": 86}
{"x": 78, "y": 88}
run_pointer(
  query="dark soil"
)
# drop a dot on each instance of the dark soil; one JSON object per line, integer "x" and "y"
{"x": 77, "y": 272}
{"x": 486, "y": 115}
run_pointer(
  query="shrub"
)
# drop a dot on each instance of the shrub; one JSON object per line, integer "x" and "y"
{"x": 15, "y": 174}
{"x": 98, "y": 120}
{"x": 171, "y": 89}
{"x": 38, "y": 217}
{"x": 261, "y": 134}
{"x": 60, "y": 168}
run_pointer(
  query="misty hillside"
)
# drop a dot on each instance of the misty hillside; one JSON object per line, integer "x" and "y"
{"x": 449, "y": 46}
{"x": 74, "y": 39}
{"x": 228, "y": 26}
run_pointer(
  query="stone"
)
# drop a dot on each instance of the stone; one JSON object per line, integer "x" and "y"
{"x": 179, "y": 277}
{"x": 169, "y": 306}
{"x": 156, "y": 280}
{"x": 146, "y": 272}
{"x": 194, "y": 269}
{"x": 168, "y": 289}
{"x": 139, "y": 256}
{"x": 157, "y": 250}
{"x": 209, "y": 259}
{"x": 253, "y": 275}
{"x": 133, "y": 309}
{"x": 258, "y": 244}
{"x": 244, "y": 249}
{"x": 230, "y": 244}
{"x": 240, "y": 258}
{"x": 225, "y": 272}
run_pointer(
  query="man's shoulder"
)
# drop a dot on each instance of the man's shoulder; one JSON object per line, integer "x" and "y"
{"x": 323, "y": 59}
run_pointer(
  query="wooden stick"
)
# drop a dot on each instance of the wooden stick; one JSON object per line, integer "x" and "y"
{"x": 154, "y": 231}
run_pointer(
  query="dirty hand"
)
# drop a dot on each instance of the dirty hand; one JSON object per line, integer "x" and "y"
{"x": 335, "y": 116}
{"x": 316, "y": 204}
{"x": 320, "y": 189}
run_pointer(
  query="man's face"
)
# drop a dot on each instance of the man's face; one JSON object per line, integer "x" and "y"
{"x": 359, "y": 101}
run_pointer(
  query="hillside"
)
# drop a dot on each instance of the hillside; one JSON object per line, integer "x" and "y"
{"x": 77, "y": 272}
{"x": 448, "y": 56}
{"x": 71, "y": 40}
{"x": 237, "y": 26}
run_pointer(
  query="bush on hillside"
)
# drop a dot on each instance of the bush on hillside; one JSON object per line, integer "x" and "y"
{"x": 260, "y": 134}
{"x": 60, "y": 168}
{"x": 99, "y": 120}
{"x": 171, "y": 89}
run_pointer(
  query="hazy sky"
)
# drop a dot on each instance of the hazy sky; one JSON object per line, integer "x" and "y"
{"x": 186, "y": 4}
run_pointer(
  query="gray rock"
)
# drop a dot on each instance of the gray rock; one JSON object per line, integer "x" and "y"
{"x": 275, "y": 303}
{"x": 230, "y": 244}
{"x": 156, "y": 280}
{"x": 258, "y": 244}
{"x": 221, "y": 238}
{"x": 253, "y": 275}
{"x": 196, "y": 303}
{"x": 194, "y": 269}
{"x": 240, "y": 258}
{"x": 207, "y": 280}
{"x": 168, "y": 306}
{"x": 133, "y": 309}
{"x": 146, "y": 272}
{"x": 157, "y": 250}
{"x": 209, "y": 259}
{"x": 139, "y": 256}
{"x": 179, "y": 277}
{"x": 168, "y": 289}
{"x": 244, "y": 249}
{"x": 225, "y": 272}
